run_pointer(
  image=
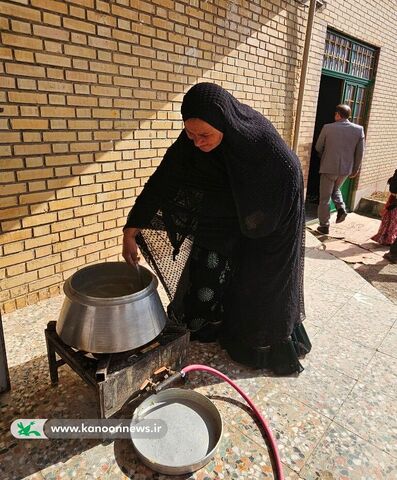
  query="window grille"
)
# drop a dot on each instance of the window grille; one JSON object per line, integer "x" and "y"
{"x": 356, "y": 97}
{"x": 346, "y": 56}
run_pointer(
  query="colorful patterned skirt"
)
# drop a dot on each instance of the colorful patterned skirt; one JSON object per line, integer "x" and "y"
{"x": 387, "y": 232}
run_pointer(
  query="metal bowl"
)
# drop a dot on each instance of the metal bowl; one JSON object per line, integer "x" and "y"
{"x": 110, "y": 307}
{"x": 194, "y": 431}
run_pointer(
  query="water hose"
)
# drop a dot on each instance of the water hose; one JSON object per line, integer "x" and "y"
{"x": 270, "y": 437}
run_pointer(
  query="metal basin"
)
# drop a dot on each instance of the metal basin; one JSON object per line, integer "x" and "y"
{"x": 110, "y": 307}
{"x": 194, "y": 431}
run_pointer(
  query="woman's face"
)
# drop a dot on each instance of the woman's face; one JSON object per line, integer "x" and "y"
{"x": 204, "y": 136}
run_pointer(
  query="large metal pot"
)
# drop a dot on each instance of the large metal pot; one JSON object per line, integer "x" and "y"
{"x": 110, "y": 307}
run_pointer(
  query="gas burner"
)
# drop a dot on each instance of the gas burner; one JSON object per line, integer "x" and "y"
{"x": 117, "y": 378}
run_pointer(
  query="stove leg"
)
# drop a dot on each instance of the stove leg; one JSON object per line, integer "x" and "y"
{"x": 52, "y": 361}
{"x": 100, "y": 402}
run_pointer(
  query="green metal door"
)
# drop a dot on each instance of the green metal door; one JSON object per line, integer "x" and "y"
{"x": 354, "y": 63}
{"x": 356, "y": 96}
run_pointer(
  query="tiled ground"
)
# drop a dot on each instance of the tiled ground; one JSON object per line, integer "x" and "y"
{"x": 337, "y": 420}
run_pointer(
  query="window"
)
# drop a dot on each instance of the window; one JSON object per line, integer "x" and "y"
{"x": 356, "y": 97}
{"x": 346, "y": 56}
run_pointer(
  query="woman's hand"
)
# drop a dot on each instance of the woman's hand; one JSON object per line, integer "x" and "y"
{"x": 130, "y": 249}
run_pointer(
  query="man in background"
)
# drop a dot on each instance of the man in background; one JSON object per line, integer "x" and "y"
{"x": 341, "y": 147}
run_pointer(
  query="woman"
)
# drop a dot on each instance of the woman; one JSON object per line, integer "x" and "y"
{"x": 227, "y": 203}
{"x": 387, "y": 233}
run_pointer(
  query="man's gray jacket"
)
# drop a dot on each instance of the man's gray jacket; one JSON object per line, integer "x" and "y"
{"x": 341, "y": 146}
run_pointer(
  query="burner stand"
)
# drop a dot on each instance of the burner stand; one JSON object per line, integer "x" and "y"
{"x": 117, "y": 378}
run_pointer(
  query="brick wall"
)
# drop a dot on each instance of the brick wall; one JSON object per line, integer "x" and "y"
{"x": 91, "y": 96}
{"x": 372, "y": 22}
{"x": 91, "y": 92}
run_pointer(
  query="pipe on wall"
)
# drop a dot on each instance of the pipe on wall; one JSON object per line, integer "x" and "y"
{"x": 305, "y": 59}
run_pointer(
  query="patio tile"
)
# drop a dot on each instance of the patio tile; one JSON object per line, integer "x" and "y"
{"x": 389, "y": 344}
{"x": 32, "y": 396}
{"x": 317, "y": 264}
{"x": 347, "y": 321}
{"x": 296, "y": 427}
{"x": 210, "y": 354}
{"x": 34, "y": 476}
{"x": 23, "y": 344}
{"x": 229, "y": 397}
{"x": 340, "y": 354}
{"x": 39, "y": 313}
{"x": 320, "y": 388}
{"x": 347, "y": 268}
{"x": 237, "y": 457}
{"x": 372, "y": 415}
{"x": 382, "y": 277}
{"x": 24, "y": 331}
{"x": 214, "y": 356}
{"x": 371, "y": 291}
{"x": 343, "y": 455}
{"x": 364, "y": 320}
{"x": 323, "y": 301}
{"x": 250, "y": 381}
{"x": 33, "y": 457}
{"x": 323, "y": 255}
{"x": 11, "y": 326}
{"x": 340, "y": 275}
{"x": 94, "y": 463}
{"x": 311, "y": 241}
{"x": 13, "y": 467}
{"x": 381, "y": 374}
{"x": 382, "y": 311}
{"x": 315, "y": 268}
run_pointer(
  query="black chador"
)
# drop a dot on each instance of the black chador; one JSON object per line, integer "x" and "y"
{"x": 224, "y": 230}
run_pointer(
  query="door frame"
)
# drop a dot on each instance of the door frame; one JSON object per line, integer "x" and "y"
{"x": 350, "y": 80}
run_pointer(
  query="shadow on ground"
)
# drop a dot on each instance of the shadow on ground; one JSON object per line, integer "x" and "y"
{"x": 32, "y": 396}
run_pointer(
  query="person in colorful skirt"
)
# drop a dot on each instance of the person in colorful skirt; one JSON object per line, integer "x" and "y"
{"x": 387, "y": 233}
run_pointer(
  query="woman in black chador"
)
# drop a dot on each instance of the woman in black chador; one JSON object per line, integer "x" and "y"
{"x": 221, "y": 221}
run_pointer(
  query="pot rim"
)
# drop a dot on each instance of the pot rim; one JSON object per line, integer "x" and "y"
{"x": 170, "y": 394}
{"x": 74, "y": 295}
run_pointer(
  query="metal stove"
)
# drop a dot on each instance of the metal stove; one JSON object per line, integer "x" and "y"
{"x": 119, "y": 378}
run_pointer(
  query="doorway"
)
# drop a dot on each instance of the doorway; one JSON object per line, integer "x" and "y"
{"x": 348, "y": 75}
{"x": 330, "y": 94}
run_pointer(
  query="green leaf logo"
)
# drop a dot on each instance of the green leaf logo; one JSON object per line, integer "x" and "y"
{"x": 25, "y": 430}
